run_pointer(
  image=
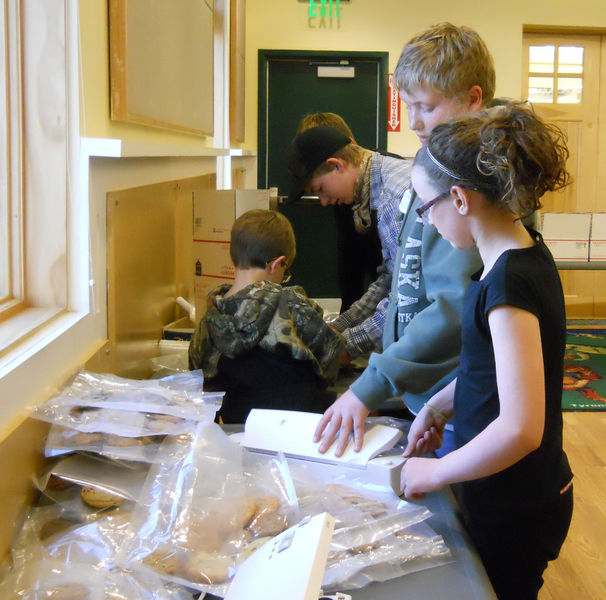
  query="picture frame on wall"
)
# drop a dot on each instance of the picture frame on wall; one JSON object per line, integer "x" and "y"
{"x": 150, "y": 83}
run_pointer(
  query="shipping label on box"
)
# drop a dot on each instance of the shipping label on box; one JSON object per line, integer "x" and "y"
{"x": 212, "y": 259}
{"x": 567, "y": 235}
{"x": 597, "y": 243}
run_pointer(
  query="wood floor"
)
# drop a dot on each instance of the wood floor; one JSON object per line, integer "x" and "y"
{"x": 580, "y": 571}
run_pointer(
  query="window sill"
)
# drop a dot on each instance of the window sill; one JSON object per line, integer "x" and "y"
{"x": 29, "y": 331}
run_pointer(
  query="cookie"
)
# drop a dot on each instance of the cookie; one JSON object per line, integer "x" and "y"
{"x": 265, "y": 504}
{"x": 268, "y": 524}
{"x": 206, "y": 568}
{"x": 120, "y": 441}
{"x": 164, "y": 560}
{"x": 58, "y": 483}
{"x": 98, "y": 498}
{"x": 85, "y": 439}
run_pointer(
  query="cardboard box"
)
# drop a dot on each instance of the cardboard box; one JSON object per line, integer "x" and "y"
{"x": 212, "y": 259}
{"x": 597, "y": 242}
{"x": 567, "y": 235}
{"x": 214, "y": 212}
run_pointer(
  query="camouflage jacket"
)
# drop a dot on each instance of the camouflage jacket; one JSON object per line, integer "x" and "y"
{"x": 281, "y": 320}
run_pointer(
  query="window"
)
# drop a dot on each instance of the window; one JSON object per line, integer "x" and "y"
{"x": 34, "y": 173}
{"x": 555, "y": 74}
{"x": 9, "y": 136}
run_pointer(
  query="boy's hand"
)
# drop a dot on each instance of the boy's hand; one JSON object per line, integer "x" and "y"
{"x": 345, "y": 412}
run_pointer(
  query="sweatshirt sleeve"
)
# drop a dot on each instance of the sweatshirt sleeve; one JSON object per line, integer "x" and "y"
{"x": 318, "y": 337}
{"x": 430, "y": 345}
{"x": 362, "y": 323}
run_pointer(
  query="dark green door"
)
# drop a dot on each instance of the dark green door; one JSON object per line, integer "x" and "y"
{"x": 289, "y": 88}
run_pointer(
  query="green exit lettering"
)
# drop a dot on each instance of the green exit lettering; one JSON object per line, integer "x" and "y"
{"x": 323, "y": 8}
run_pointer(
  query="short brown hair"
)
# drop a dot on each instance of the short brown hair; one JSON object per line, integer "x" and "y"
{"x": 328, "y": 119}
{"x": 352, "y": 154}
{"x": 259, "y": 236}
{"x": 447, "y": 59}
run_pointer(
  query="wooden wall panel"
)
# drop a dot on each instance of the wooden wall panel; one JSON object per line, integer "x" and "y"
{"x": 149, "y": 242}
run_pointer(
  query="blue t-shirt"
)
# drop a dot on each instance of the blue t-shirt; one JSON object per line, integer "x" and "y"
{"x": 528, "y": 279}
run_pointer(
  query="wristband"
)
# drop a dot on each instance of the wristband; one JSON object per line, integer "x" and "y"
{"x": 436, "y": 411}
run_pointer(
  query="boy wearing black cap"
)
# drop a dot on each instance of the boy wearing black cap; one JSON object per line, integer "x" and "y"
{"x": 324, "y": 161}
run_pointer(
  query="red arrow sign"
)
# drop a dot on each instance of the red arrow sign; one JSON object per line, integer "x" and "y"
{"x": 393, "y": 114}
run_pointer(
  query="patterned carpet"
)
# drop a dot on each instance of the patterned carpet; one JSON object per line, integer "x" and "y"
{"x": 585, "y": 370}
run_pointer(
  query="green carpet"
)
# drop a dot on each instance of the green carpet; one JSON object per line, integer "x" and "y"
{"x": 585, "y": 370}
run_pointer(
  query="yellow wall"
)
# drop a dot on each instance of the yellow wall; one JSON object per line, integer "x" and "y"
{"x": 386, "y": 25}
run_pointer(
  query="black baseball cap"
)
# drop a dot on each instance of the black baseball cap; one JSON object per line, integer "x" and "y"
{"x": 308, "y": 151}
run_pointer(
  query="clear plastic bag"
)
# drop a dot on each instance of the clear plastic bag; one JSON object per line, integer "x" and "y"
{"x": 178, "y": 395}
{"x": 201, "y": 515}
{"x": 61, "y": 440}
{"x": 79, "y": 561}
{"x": 377, "y": 535}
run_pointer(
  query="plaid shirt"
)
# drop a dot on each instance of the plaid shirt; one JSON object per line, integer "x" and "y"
{"x": 362, "y": 324}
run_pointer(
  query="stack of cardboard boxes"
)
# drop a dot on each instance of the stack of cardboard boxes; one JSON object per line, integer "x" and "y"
{"x": 575, "y": 237}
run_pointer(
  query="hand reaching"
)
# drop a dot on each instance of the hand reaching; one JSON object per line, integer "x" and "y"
{"x": 345, "y": 413}
{"x": 426, "y": 433}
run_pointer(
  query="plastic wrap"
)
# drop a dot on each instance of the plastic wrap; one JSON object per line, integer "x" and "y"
{"x": 201, "y": 515}
{"x": 178, "y": 395}
{"x": 62, "y": 440}
{"x": 77, "y": 562}
{"x": 377, "y": 535}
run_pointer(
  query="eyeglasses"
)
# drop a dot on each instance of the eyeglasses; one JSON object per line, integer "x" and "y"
{"x": 287, "y": 274}
{"x": 423, "y": 210}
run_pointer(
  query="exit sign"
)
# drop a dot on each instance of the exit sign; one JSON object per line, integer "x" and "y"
{"x": 325, "y": 8}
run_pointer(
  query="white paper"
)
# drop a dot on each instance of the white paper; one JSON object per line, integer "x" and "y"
{"x": 291, "y": 432}
{"x": 290, "y": 566}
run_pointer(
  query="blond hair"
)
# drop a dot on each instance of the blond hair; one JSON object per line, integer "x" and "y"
{"x": 447, "y": 59}
{"x": 327, "y": 119}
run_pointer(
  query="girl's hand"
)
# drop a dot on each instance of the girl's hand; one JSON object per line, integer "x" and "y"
{"x": 418, "y": 477}
{"x": 426, "y": 433}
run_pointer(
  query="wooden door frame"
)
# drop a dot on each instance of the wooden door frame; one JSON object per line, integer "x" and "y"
{"x": 264, "y": 56}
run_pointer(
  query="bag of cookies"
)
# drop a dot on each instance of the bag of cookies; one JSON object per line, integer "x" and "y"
{"x": 200, "y": 516}
{"x": 63, "y": 440}
{"x": 377, "y": 535}
{"x": 179, "y": 396}
{"x": 78, "y": 562}
{"x": 412, "y": 549}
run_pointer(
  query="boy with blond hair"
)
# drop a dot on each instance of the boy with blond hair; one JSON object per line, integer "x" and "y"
{"x": 442, "y": 72}
{"x": 265, "y": 345}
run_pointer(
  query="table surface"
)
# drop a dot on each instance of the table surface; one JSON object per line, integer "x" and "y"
{"x": 463, "y": 578}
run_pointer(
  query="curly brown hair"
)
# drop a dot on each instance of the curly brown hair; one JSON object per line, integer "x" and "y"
{"x": 506, "y": 152}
